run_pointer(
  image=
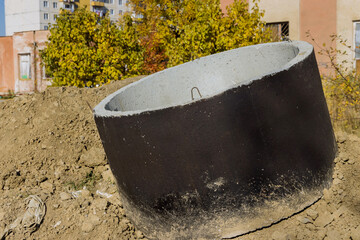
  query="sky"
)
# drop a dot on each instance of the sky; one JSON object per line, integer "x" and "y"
{"x": 2, "y": 18}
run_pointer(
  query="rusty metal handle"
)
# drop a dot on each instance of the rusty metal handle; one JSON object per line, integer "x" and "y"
{"x": 192, "y": 93}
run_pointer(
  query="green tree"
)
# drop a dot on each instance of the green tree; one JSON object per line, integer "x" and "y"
{"x": 85, "y": 50}
{"x": 173, "y": 32}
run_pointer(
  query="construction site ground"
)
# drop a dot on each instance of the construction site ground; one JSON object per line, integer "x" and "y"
{"x": 50, "y": 148}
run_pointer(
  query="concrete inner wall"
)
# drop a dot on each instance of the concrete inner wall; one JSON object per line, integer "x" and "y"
{"x": 211, "y": 75}
{"x": 320, "y": 18}
{"x": 348, "y": 11}
{"x": 282, "y": 11}
{"x": 7, "y": 81}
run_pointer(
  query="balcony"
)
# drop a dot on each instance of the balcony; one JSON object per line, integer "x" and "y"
{"x": 97, "y": 3}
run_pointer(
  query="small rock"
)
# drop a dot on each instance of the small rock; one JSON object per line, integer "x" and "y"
{"x": 100, "y": 204}
{"x": 65, "y": 196}
{"x": 324, "y": 219}
{"x": 85, "y": 204}
{"x": 339, "y": 212}
{"x": 312, "y": 213}
{"x": 278, "y": 235}
{"x": 311, "y": 227}
{"x": 332, "y": 234}
{"x": 90, "y": 222}
{"x": 56, "y": 206}
{"x": 85, "y": 193}
{"x": 26, "y": 121}
{"x": 139, "y": 234}
{"x": 327, "y": 195}
{"x": 355, "y": 234}
{"x": 58, "y": 172}
{"x": 124, "y": 225}
{"x": 108, "y": 176}
{"x": 304, "y": 220}
{"x": 94, "y": 220}
{"x": 47, "y": 186}
{"x": 321, "y": 233}
{"x": 341, "y": 137}
{"x": 2, "y": 215}
{"x": 101, "y": 169}
{"x": 94, "y": 157}
{"x": 114, "y": 200}
{"x": 336, "y": 181}
{"x": 87, "y": 227}
{"x": 340, "y": 176}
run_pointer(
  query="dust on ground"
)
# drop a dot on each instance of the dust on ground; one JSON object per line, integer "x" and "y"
{"x": 50, "y": 148}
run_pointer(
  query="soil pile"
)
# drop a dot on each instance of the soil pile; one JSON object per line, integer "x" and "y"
{"x": 51, "y": 149}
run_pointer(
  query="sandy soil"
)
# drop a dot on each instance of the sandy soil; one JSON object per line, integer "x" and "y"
{"x": 50, "y": 148}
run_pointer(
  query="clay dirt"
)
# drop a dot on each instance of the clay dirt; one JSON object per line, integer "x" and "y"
{"x": 50, "y": 148}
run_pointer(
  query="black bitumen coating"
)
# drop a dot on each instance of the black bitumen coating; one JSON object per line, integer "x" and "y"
{"x": 226, "y": 151}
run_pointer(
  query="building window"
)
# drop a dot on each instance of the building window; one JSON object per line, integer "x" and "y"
{"x": 46, "y": 4}
{"x": 111, "y": 1}
{"x": 43, "y": 73}
{"x": 46, "y": 27}
{"x": 55, "y": 16}
{"x": 357, "y": 46}
{"x": 111, "y": 11}
{"x": 54, "y": 4}
{"x": 46, "y": 16}
{"x": 24, "y": 66}
{"x": 357, "y": 39}
{"x": 120, "y": 2}
{"x": 120, "y": 12}
{"x": 280, "y": 31}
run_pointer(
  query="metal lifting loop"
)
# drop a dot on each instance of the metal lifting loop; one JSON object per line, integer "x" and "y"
{"x": 192, "y": 93}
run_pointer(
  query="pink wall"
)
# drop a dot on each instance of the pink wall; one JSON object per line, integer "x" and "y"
{"x": 224, "y": 3}
{"x": 320, "y": 18}
{"x": 41, "y": 38}
{"x": 7, "y": 81}
{"x": 29, "y": 43}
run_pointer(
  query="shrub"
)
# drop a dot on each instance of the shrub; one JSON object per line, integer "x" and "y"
{"x": 174, "y": 32}
{"x": 85, "y": 50}
{"x": 342, "y": 89}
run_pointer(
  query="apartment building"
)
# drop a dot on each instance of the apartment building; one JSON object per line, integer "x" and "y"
{"x": 115, "y": 8}
{"x": 294, "y": 19}
{"x": 29, "y": 15}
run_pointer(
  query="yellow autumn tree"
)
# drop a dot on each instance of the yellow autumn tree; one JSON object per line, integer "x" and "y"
{"x": 173, "y": 32}
{"x": 85, "y": 50}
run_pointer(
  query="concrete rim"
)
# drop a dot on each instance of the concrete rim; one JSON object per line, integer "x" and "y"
{"x": 303, "y": 49}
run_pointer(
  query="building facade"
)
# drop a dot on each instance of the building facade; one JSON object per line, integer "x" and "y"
{"x": 29, "y": 15}
{"x": 20, "y": 64}
{"x": 115, "y": 8}
{"x": 307, "y": 19}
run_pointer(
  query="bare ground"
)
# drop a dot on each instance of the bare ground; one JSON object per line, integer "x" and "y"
{"x": 50, "y": 148}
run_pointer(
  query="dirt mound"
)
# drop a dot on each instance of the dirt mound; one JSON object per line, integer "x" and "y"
{"x": 51, "y": 148}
